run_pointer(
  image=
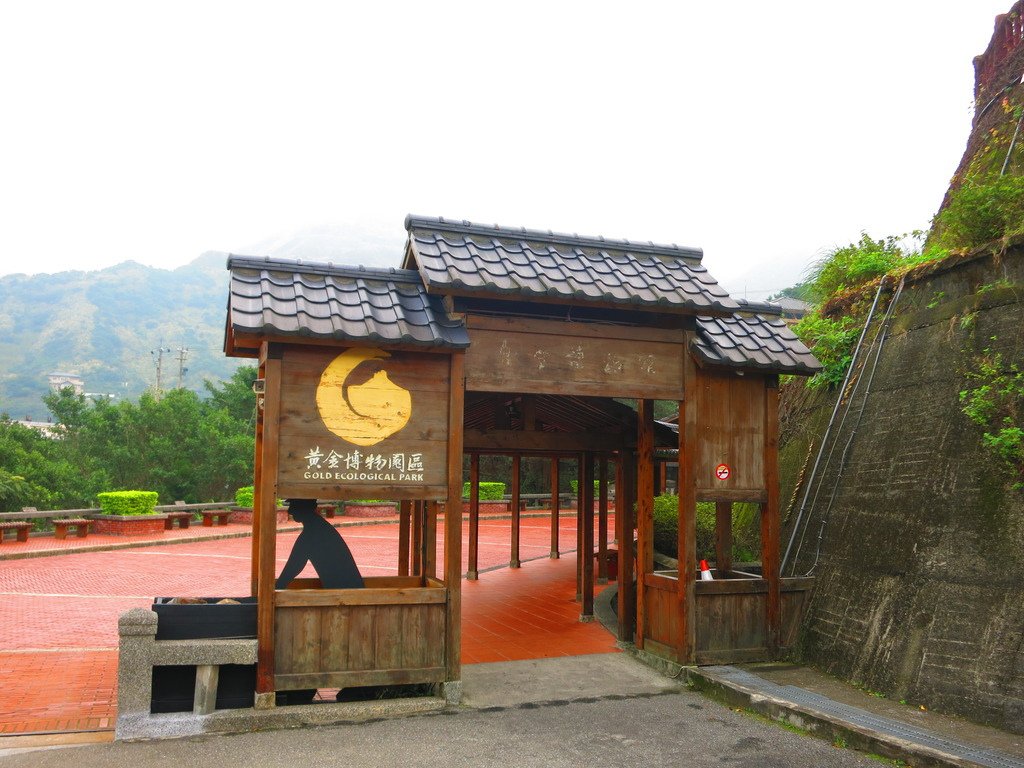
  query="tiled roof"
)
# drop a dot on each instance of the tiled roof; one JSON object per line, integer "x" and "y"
{"x": 292, "y": 298}
{"x": 753, "y": 341}
{"x": 474, "y": 259}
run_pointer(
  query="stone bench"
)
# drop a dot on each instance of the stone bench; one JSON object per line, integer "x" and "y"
{"x": 21, "y": 528}
{"x": 210, "y": 515}
{"x": 79, "y": 524}
{"x": 184, "y": 520}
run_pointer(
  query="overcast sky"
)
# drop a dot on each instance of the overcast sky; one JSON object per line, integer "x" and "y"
{"x": 765, "y": 133}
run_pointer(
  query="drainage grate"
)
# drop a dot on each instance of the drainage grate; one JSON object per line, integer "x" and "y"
{"x": 859, "y": 717}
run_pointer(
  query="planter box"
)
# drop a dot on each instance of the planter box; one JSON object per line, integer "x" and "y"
{"x": 190, "y": 622}
{"x": 244, "y": 515}
{"x": 128, "y": 525}
{"x": 371, "y": 509}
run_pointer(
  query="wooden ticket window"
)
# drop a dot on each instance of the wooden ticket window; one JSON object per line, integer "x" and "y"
{"x": 346, "y": 422}
{"x": 728, "y": 453}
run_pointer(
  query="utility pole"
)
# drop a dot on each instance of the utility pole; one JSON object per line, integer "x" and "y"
{"x": 182, "y": 370}
{"x": 158, "y": 356}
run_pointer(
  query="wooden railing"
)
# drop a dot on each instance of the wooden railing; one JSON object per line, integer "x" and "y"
{"x": 31, "y": 513}
{"x": 1008, "y": 36}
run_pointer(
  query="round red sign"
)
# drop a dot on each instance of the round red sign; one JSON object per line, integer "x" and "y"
{"x": 722, "y": 471}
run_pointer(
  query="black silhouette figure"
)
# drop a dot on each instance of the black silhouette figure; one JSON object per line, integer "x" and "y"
{"x": 322, "y": 545}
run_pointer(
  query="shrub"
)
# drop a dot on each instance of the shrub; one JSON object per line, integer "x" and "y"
{"x": 980, "y": 212}
{"x": 746, "y": 530}
{"x": 574, "y": 484}
{"x": 855, "y": 264}
{"x": 127, "y": 502}
{"x": 831, "y": 341}
{"x": 489, "y": 491}
{"x": 244, "y": 496}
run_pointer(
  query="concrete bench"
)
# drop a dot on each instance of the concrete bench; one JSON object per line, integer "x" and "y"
{"x": 19, "y": 527}
{"x": 220, "y": 515}
{"x": 184, "y": 520}
{"x": 79, "y": 524}
{"x": 327, "y": 510}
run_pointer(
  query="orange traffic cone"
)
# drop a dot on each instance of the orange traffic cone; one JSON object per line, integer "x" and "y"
{"x": 705, "y": 572}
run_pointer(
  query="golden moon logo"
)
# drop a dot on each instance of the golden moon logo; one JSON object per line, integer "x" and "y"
{"x": 363, "y": 414}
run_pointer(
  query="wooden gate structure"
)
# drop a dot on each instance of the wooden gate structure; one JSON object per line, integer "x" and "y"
{"x": 373, "y": 383}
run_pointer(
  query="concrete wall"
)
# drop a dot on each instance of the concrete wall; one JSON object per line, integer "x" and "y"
{"x": 920, "y": 583}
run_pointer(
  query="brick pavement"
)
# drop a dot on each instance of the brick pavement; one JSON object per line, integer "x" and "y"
{"x": 58, "y": 614}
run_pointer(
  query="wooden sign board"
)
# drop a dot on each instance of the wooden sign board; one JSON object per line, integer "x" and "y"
{"x": 730, "y": 433}
{"x": 363, "y": 422}
{"x": 588, "y": 359}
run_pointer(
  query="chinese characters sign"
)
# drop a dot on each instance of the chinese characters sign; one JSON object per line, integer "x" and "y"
{"x": 362, "y": 422}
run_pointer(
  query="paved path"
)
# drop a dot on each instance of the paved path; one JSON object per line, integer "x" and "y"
{"x": 58, "y": 614}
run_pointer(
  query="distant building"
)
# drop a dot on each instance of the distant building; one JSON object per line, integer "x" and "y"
{"x": 793, "y": 309}
{"x": 47, "y": 428}
{"x": 59, "y": 380}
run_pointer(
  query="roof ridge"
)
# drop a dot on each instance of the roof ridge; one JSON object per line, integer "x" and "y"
{"x": 323, "y": 268}
{"x": 441, "y": 224}
{"x": 761, "y": 307}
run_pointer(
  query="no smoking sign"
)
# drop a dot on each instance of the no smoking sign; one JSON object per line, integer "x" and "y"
{"x": 722, "y": 471}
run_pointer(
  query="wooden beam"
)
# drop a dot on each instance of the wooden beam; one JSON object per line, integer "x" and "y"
{"x": 473, "y": 570}
{"x": 267, "y": 513}
{"x": 430, "y": 540}
{"x": 770, "y": 518}
{"x": 513, "y": 441}
{"x": 417, "y": 537}
{"x": 514, "y": 559}
{"x": 554, "y": 508}
{"x": 579, "y": 526}
{"x": 602, "y": 520}
{"x": 687, "y": 540}
{"x": 587, "y": 553}
{"x": 257, "y": 493}
{"x": 404, "y": 524}
{"x": 644, "y": 509}
{"x": 453, "y": 521}
{"x": 723, "y": 537}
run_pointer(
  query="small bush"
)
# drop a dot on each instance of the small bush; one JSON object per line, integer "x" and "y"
{"x": 127, "y": 502}
{"x": 831, "y": 341}
{"x": 746, "y": 529}
{"x": 980, "y": 212}
{"x": 574, "y": 484}
{"x": 489, "y": 491}
{"x": 244, "y": 496}
{"x": 856, "y": 264}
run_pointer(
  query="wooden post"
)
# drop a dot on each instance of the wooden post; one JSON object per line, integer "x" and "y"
{"x": 453, "y": 521}
{"x": 770, "y": 518}
{"x": 514, "y": 560}
{"x": 644, "y": 510}
{"x": 430, "y": 540}
{"x": 625, "y": 493}
{"x": 579, "y": 526}
{"x": 404, "y": 521}
{"x": 587, "y": 552}
{"x": 254, "y": 564}
{"x": 473, "y": 570}
{"x": 723, "y": 537}
{"x": 687, "y": 538}
{"x": 554, "y": 508}
{"x": 417, "y": 538}
{"x": 602, "y": 520}
{"x": 267, "y": 512}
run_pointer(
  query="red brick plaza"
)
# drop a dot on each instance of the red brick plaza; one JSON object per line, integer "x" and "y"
{"x": 58, "y": 613}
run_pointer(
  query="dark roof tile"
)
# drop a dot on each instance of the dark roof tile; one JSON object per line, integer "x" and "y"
{"x": 293, "y": 298}
{"x": 756, "y": 342}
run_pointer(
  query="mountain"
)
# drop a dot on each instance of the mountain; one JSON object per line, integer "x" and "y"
{"x": 107, "y": 325}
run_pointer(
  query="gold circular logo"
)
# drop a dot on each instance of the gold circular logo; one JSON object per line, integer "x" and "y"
{"x": 362, "y": 414}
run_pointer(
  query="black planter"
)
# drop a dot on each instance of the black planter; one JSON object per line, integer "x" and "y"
{"x": 209, "y": 620}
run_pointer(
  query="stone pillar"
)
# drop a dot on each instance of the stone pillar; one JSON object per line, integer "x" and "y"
{"x": 137, "y": 630}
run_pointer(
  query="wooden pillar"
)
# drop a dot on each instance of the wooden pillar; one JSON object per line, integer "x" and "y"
{"x": 587, "y": 551}
{"x": 254, "y": 564}
{"x": 554, "y": 508}
{"x": 770, "y": 518}
{"x": 514, "y": 559}
{"x": 453, "y": 521}
{"x": 267, "y": 512}
{"x": 662, "y": 484}
{"x": 624, "y": 495}
{"x": 687, "y": 539}
{"x": 473, "y": 571}
{"x": 579, "y": 526}
{"x": 417, "y": 538}
{"x": 644, "y": 509}
{"x": 430, "y": 540}
{"x": 602, "y": 520}
{"x": 723, "y": 537}
{"x": 404, "y": 524}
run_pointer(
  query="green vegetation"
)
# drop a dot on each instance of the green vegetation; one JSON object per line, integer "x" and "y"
{"x": 855, "y": 264}
{"x": 979, "y": 212}
{"x": 575, "y": 485}
{"x": 994, "y": 400}
{"x": 746, "y": 544}
{"x": 244, "y": 497}
{"x": 489, "y": 491}
{"x": 127, "y": 502}
{"x": 181, "y": 446}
